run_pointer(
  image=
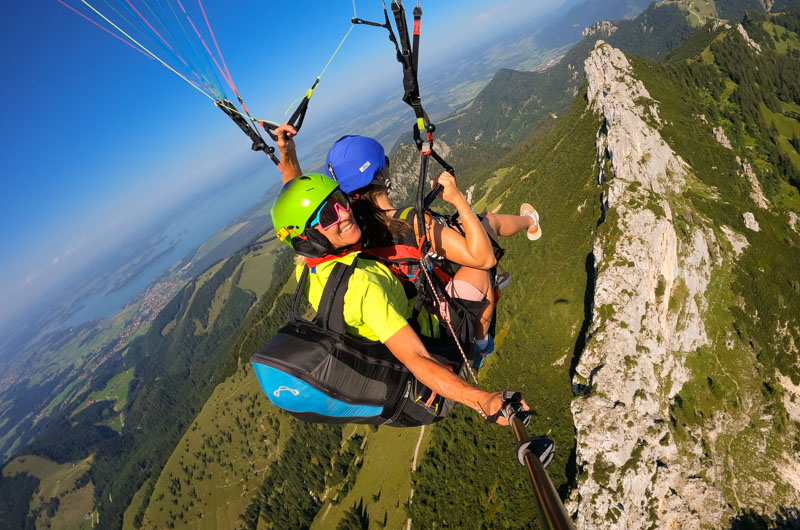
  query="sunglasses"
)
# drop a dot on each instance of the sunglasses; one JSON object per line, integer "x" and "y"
{"x": 329, "y": 213}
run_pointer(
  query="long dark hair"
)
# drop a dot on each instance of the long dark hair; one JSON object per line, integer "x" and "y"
{"x": 379, "y": 229}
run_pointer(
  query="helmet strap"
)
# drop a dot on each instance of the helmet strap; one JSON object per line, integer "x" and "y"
{"x": 312, "y": 245}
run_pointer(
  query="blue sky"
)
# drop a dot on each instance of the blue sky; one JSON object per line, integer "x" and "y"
{"x": 97, "y": 138}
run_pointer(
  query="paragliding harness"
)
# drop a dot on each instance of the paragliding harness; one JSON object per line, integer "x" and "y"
{"x": 405, "y": 259}
{"x": 318, "y": 372}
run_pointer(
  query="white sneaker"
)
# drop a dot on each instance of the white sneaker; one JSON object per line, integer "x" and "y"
{"x": 535, "y": 231}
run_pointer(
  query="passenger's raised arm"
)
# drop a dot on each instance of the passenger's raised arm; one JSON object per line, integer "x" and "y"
{"x": 290, "y": 166}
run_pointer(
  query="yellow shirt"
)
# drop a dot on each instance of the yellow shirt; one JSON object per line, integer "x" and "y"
{"x": 375, "y": 305}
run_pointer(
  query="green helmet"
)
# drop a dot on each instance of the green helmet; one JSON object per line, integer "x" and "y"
{"x": 297, "y": 201}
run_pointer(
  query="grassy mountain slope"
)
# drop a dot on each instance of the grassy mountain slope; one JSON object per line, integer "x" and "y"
{"x": 223, "y": 455}
{"x": 174, "y": 365}
{"x": 383, "y": 484}
{"x": 65, "y": 494}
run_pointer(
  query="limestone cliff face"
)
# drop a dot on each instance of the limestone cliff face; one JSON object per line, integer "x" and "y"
{"x": 649, "y": 313}
{"x": 632, "y": 475}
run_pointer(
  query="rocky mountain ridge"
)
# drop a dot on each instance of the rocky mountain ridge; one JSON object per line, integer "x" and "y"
{"x": 632, "y": 351}
{"x": 650, "y": 311}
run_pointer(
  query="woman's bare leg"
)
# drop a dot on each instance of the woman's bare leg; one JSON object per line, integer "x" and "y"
{"x": 507, "y": 225}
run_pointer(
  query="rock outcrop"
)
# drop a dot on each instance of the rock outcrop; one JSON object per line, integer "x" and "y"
{"x": 722, "y": 138}
{"x": 404, "y": 171}
{"x": 750, "y": 221}
{"x": 756, "y": 193}
{"x": 649, "y": 282}
{"x": 750, "y": 42}
{"x": 646, "y": 458}
{"x": 604, "y": 28}
{"x": 738, "y": 241}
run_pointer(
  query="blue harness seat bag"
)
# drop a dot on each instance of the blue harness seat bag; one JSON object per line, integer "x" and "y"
{"x": 317, "y": 372}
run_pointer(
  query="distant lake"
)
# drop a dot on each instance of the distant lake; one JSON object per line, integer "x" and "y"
{"x": 155, "y": 249}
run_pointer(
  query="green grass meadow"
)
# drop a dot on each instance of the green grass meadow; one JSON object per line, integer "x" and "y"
{"x": 219, "y": 462}
{"x": 384, "y": 480}
{"x": 57, "y": 480}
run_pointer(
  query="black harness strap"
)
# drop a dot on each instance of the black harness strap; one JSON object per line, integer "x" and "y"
{"x": 407, "y": 56}
{"x": 330, "y": 311}
{"x": 417, "y": 28}
{"x": 294, "y": 313}
{"x": 297, "y": 117}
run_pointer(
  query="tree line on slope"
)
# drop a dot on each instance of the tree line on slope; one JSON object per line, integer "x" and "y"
{"x": 315, "y": 466}
{"x": 766, "y": 78}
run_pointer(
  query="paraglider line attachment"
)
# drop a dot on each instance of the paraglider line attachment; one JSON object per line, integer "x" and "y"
{"x": 356, "y": 20}
{"x": 258, "y": 142}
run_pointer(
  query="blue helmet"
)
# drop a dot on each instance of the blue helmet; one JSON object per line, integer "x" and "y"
{"x": 355, "y": 161}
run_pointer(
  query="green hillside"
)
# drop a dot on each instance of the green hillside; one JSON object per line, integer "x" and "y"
{"x": 58, "y": 376}
{"x": 61, "y": 368}
{"x": 65, "y": 494}
{"x": 173, "y": 369}
{"x": 137, "y": 405}
{"x": 223, "y": 455}
{"x": 469, "y": 474}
